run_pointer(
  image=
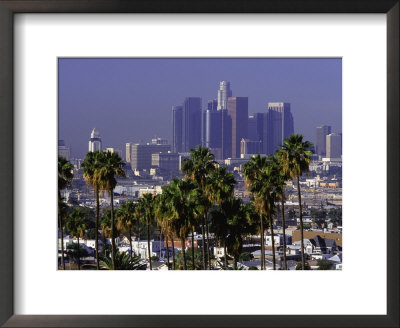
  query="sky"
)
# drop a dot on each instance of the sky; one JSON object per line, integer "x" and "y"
{"x": 130, "y": 99}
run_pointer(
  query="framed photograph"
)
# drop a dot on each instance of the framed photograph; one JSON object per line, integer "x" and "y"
{"x": 123, "y": 92}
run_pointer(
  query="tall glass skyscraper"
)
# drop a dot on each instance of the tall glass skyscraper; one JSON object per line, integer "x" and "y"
{"x": 177, "y": 114}
{"x": 191, "y": 123}
{"x": 278, "y": 125}
{"x": 95, "y": 141}
{"x": 224, "y": 93}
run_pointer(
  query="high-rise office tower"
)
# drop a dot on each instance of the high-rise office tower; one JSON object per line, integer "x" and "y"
{"x": 255, "y": 127}
{"x": 224, "y": 92}
{"x": 334, "y": 145}
{"x": 278, "y": 125}
{"x": 213, "y": 128}
{"x": 63, "y": 150}
{"x": 191, "y": 123}
{"x": 248, "y": 146}
{"x": 320, "y": 145}
{"x": 226, "y": 134}
{"x": 128, "y": 152}
{"x": 238, "y": 112}
{"x": 207, "y": 119}
{"x": 95, "y": 141}
{"x": 177, "y": 113}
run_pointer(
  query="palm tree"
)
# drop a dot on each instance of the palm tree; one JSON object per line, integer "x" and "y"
{"x": 220, "y": 187}
{"x": 76, "y": 224}
{"x": 105, "y": 225}
{"x": 126, "y": 217}
{"x": 145, "y": 207}
{"x": 123, "y": 261}
{"x": 182, "y": 199}
{"x": 91, "y": 165}
{"x": 295, "y": 156}
{"x": 254, "y": 182}
{"x": 198, "y": 168}
{"x": 65, "y": 175}
{"x": 111, "y": 167}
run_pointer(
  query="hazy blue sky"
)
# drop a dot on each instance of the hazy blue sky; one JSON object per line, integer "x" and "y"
{"x": 130, "y": 100}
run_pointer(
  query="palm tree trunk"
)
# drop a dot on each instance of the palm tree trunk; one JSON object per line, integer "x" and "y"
{"x": 173, "y": 253}
{"x": 183, "y": 253}
{"x": 79, "y": 256}
{"x": 203, "y": 243}
{"x": 97, "y": 229}
{"x": 262, "y": 243}
{"x": 208, "y": 245}
{"x": 194, "y": 267}
{"x": 112, "y": 230}
{"x": 166, "y": 239}
{"x": 303, "y": 262}
{"x": 235, "y": 263}
{"x": 225, "y": 259}
{"x": 130, "y": 241}
{"x": 148, "y": 245}
{"x": 61, "y": 230}
{"x": 272, "y": 240}
{"x": 284, "y": 233}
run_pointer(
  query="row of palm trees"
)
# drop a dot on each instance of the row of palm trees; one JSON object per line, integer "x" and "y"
{"x": 202, "y": 201}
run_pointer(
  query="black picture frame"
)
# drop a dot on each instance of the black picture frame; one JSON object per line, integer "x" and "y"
{"x": 7, "y": 198}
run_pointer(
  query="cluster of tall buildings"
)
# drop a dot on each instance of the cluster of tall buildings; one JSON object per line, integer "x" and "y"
{"x": 328, "y": 144}
{"x": 226, "y": 128}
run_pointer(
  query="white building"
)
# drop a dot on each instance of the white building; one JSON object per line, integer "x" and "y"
{"x": 95, "y": 141}
{"x": 224, "y": 92}
{"x": 334, "y": 145}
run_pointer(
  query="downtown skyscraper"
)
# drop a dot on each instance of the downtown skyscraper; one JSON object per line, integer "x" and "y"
{"x": 278, "y": 125}
{"x": 177, "y": 116}
{"x": 238, "y": 113}
{"x": 320, "y": 145}
{"x": 191, "y": 123}
{"x": 224, "y": 92}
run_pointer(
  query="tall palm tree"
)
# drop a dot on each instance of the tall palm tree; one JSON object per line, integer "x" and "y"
{"x": 126, "y": 217}
{"x": 91, "y": 166}
{"x": 76, "y": 224}
{"x": 182, "y": 203}
{"x": 65, "y": 175}
{"x": 111, "y": 167}
{"x": 198, "y": 168}
{"x": 295, "y": 156}
{"x": 146, "y": 207}
{"x": 254, "y": 179}
{"x": 220, "y": 187}
{"x": 280, "y": 190}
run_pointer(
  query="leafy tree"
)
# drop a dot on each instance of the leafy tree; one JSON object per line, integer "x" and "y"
{"x": 123, "y": 261}
{"x": 91, "y": 166}
{"x": 76, "y": 224}
{"x": 145, "y": 209}
{"x": 189, "y": 260}
{"x": 111, "y": 167}
{"x": 65, "y": 175}
{"x": 199, "y": 168}
{"x": 246, "y": 256}
{"x": 126, "y": 218}
{"x": 295, "y": 156}
{"x": 75, "y": 252}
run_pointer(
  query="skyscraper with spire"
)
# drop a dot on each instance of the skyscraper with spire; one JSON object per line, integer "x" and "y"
{"x": 224, "y": 92}
{"x": 95, "y": 141}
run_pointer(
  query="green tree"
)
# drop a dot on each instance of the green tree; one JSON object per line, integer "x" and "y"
{"x": 256, "y": 177}
{"x": 126, "y": 219}
{"x": 146, "y": 209}
{"x": 91, "y": 166}
{"x": 182, "y": 202}
{"x": 65, "y": 175}
{"x": 76, "y": 224}
{"x": 324, "y": 265}
{"x": 123, "y": 261}
{"x": 295, "y": 156}
{"x": 111, "y": 167}
{"x": 199, "y": 168}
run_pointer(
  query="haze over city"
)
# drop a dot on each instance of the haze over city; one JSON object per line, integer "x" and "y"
{"x": 130, "y": 100}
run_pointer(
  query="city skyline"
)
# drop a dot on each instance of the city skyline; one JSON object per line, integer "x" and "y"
{"x": 106, "y": 100}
